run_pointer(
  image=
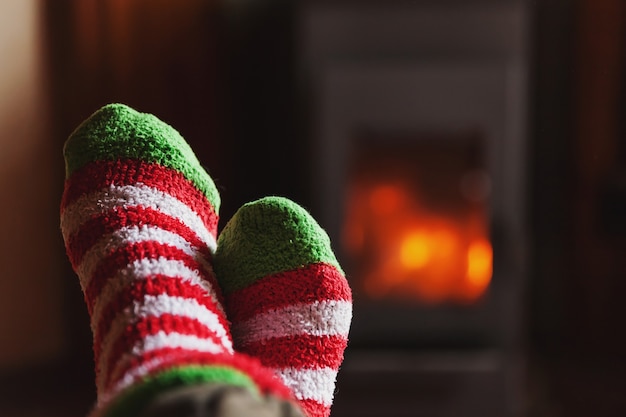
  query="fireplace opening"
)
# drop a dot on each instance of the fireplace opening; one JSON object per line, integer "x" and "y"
{"x": 415, "y": 238}
{"x": 416, "y": 215}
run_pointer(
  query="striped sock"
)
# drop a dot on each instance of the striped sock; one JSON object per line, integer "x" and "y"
{"x": 139, "y": 218}
{"x": 286, "y": 297}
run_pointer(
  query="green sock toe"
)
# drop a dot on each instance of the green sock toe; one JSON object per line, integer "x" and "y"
{"x": 272, "y": 234}
{"x": 117, "y": 131}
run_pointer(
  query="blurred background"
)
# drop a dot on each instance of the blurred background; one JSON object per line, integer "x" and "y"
{"x": 466, "y": 157}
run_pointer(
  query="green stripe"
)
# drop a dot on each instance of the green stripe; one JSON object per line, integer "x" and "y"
{"x": 118, "y": 132}
{"x": 265, "y": 237}
{"x": 131, "y": 402}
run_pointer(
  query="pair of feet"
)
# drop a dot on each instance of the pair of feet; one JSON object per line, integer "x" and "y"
{"x": 264, "y": 305}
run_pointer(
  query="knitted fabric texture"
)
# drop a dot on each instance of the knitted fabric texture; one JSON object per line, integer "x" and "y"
{"x": 139, "y": 219}
{"x": 286, "y": 297}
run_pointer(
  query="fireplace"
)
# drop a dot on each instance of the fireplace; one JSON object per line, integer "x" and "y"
{"x": 415, "y": 238}
{"x": 418, "y": 134}
{"x": 430, "y": 142}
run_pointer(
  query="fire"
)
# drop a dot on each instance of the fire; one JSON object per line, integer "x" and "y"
{"x": 386, "y": 199}
{"x": 415, "y": 251}
{"x": 479, "y": 263}
{"x": 405, "y": 250}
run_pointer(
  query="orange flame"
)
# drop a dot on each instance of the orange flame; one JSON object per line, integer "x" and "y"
{"x": 404, "y": 250}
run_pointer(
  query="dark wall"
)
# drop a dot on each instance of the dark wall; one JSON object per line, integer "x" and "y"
{"x": 577, "y": 190}
{"x": 262, "y": 123}
{"x": 552, "y": 168}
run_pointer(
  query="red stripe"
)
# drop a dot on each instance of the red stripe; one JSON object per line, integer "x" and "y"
{"x": 126, "y": 255}
{"x": 95, "y": 228}
{"x": 101, "y": 174}
{"x": 300, "y": 352}
{"x": 265, "y": 379}
{"x": 314, "y": 409}
{"x": 149, "y": 326}
{"x": 315, "y": 282}
{"x": 157, "y": 285}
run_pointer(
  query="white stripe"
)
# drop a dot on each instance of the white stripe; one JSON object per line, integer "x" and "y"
{"x": 145, "y": 268}
{"x": 319, "y": 318}
{"x": 311, "y": 384}
{"x": 131, "y": 235}
{"x": 155, "y": 306}
{"x": 101, "y": 201}
{"x": 163, "y": 340}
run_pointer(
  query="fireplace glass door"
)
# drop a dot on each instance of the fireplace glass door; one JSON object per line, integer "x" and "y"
{"x": 416, "y": 228}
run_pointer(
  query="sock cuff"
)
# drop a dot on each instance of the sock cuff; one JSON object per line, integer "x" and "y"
{"x": 134, "y": 399}
{"x": 184, "y": 369}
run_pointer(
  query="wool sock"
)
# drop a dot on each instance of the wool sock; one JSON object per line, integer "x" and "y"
{"x": 286, "y": 296}
{"x": 139, "y": 219}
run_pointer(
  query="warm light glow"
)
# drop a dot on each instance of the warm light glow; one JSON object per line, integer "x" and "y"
{"x": 416, "y": 221}
{"x": 353, "y": 237}
{"x": 444, "y": 241}
{"x": 479, "y": 263}
{"x": 428, "y": 258}
{"x": 404, "y": 250}
{"x": 386, "y": 199}
{"x": 415, "y": 250}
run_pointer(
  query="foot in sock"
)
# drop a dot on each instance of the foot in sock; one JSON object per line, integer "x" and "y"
{"x": 139, "y": 219}
{"x": 286, "y": 296}
{"x": 217, "y": 400}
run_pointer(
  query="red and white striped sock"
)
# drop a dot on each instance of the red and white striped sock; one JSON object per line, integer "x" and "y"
{"x": 139, "y": 219}
{"x": 286, "y": 297}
